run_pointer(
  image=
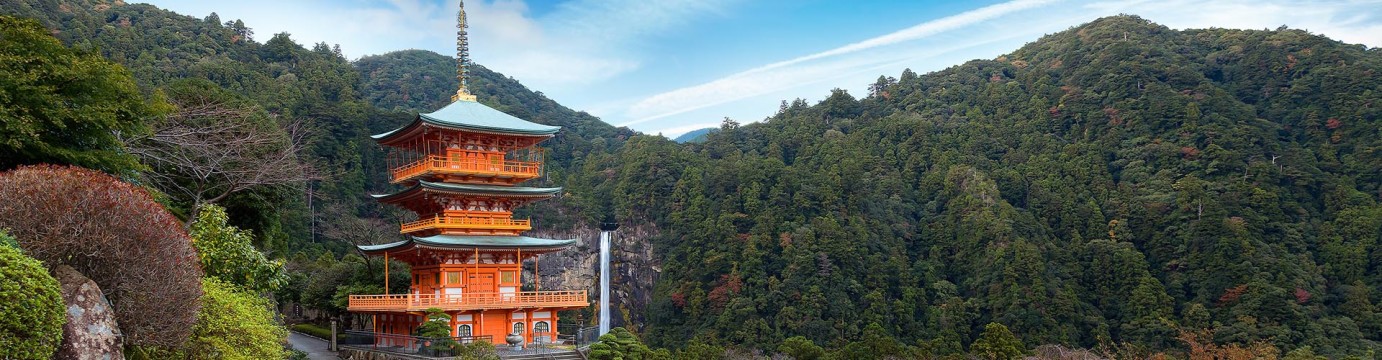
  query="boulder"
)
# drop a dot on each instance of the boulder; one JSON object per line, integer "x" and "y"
{"x": 91, "y": 332}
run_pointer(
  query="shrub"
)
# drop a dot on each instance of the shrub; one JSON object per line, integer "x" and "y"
{"x": 295, "y": 354}
{"x": 31, "y": 308}
{"x": 619, "y": 343}
{"x": 476, "y": 350}
{"x": 228, "y": 253}
{"x": 313, "y": 329}
{"x": 115, "y": 234}
{"x": 8, "y": 241}
{"x": 438, "y": 329}
{"x": 235, "y": 324}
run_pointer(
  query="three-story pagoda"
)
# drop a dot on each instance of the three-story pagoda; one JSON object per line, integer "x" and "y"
{"x": 461, "y": 168}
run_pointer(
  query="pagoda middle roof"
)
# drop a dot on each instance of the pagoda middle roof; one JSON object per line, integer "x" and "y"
{"x": 470, "y": 189}
{"x": 469, "y": 242}
{"x": 469, "y": 115}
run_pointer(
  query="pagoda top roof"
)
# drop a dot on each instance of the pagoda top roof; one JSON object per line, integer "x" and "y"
{"x": 470, "y": 189}
{"x": 471, "y": 242}
{"x": 466, "y": 115}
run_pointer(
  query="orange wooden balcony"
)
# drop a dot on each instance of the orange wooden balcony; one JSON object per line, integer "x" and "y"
{"x": 494, "y": 225}
{"x": 515, "y": 171}
{"x": 473, "y": 301}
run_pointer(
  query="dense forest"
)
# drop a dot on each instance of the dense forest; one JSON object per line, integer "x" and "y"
{"x": 1119, "y": 186}
{"x": 1116, "y": 182}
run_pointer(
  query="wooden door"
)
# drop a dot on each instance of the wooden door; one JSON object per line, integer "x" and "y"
{"x": 480, "y": 283}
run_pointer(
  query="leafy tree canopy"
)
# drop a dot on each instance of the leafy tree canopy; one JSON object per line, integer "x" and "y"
{"x": 64, "y": 106}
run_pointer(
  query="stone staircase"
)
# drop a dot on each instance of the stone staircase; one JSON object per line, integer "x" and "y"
{"x": 550, "y": 355}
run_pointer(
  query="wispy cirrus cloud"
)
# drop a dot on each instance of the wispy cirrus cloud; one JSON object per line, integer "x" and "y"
{"x": 580, "y": 42}
{"x": 821, "y": 66}
{"x": 934, "y": 44}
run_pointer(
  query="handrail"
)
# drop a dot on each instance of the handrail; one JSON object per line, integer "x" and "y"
{"x": 443, "y": 164}
{"x": 465, "y": 222}
{"x": 469, "y": 301}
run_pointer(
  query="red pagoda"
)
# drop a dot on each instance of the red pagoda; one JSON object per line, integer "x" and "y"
{"x": 461, "y": 168}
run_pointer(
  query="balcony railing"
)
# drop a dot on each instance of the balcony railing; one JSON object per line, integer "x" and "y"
{"x": 473, "y": 301}
{"x": 436, "y": 164}
{"x": 441, "y": 222}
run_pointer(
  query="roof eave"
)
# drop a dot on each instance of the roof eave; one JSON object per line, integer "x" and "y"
{"x": 413, "y": 241}
{"x": 547, "y": 132}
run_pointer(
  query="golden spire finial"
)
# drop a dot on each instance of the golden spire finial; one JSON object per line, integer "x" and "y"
{"x": 462, "y": 57}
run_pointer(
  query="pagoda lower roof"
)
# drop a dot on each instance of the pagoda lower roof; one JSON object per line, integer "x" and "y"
{"x": 470, "y": 189}
{"x": 473, "y": 116}
{"x": 470, "y": 242}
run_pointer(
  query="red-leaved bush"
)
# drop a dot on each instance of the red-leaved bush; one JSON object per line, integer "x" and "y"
{"x": 115, "y": 234}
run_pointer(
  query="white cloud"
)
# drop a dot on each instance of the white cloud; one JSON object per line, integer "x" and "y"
{"x": 1354, "y": 21}
{"x": 811, "y": 68}
{"x": 578, "y": 43}
{"x": 581, "y": 42}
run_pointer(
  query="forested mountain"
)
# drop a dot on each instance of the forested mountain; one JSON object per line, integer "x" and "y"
{"x": 1116, "y": 183}
{"x": 694, "y": 135}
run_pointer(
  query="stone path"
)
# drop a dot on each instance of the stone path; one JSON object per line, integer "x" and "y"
{"x": 314, "y": 347}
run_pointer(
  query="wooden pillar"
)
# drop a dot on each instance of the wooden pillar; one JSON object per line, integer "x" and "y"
{"x": 529, "y": 325}
{"x": 453, "y": 323}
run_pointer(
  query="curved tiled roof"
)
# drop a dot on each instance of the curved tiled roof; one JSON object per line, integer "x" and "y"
{"x": 473, "y": 189}
{"x": 473, "y": 242}
{"x": 474, "y": 116}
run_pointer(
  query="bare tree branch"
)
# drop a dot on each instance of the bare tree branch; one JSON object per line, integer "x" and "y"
{"x": 211, "y": 148}
{"x": 341, "y": 224}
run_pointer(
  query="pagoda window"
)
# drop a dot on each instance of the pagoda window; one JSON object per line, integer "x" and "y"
{"x": 507, "y": 277}
{"x": 541, "y": 327}
{"x": 453, "y": 278}
{"x": 518, "y": 328}
{"x": 463, "y": 330}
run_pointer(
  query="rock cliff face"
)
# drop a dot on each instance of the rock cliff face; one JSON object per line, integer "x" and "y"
{"x": 633, "y": 269}
{"x": 90, "y": 332}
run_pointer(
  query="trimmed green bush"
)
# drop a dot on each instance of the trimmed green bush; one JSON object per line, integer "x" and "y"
{"x": 313, "y": 329}
{"x": 619, "y": 343}
{"x": 31, "y": 307}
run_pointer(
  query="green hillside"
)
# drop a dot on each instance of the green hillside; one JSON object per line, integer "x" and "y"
{"x": 1116, "y": 182}
{"x": 694, "y": 135}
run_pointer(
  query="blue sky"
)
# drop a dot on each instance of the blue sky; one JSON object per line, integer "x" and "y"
{"x": 671, "y": 66}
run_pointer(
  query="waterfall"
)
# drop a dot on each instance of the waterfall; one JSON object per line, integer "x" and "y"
{"x": 604, "y": 281}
